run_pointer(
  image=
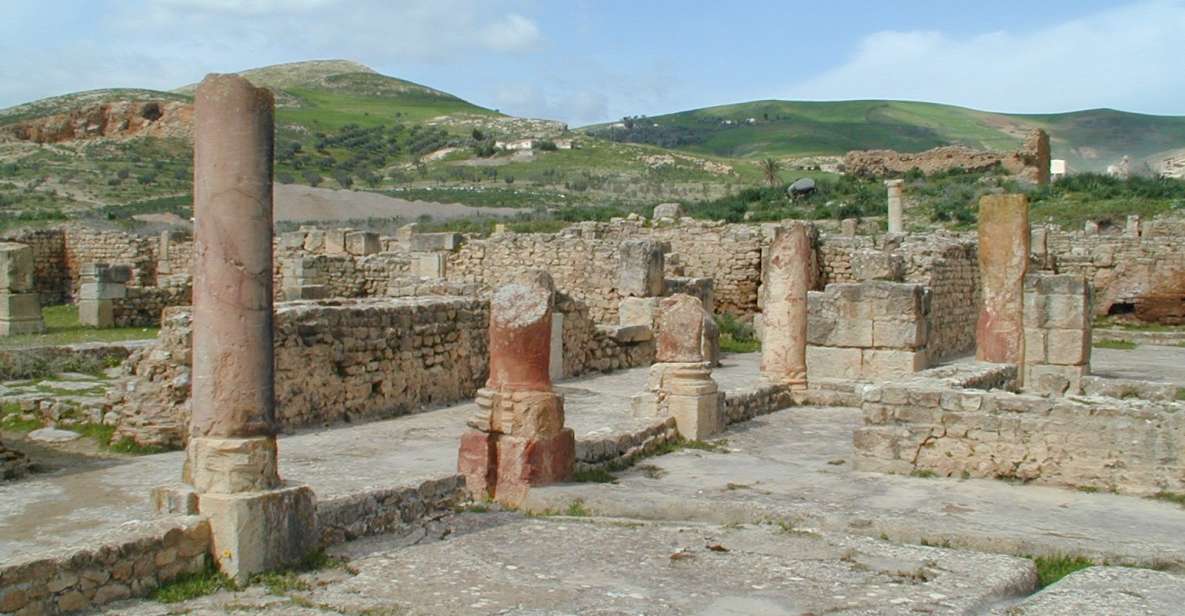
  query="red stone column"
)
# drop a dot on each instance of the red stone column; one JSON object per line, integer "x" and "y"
{"x": 787, "y": 280}
{"x": 518, "y": 440}
{"x": 232, "y": 429}
{"x": 1003, "y": 261}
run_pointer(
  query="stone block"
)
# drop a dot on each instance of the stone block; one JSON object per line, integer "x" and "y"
{"x": 697, "y": 416}
{"x": 877, "y": 265}
{"x": 887, "y": 364}
{"x": 429, "y": 265}
{"x": 96, "y": 312}
{"x": 525, "y": 463}
{"x": 432, "y": 242}
{"x": 832, "y": 363}
{"x": 253, "y": 532}
{"x": 640, "y": 311}
{"x": 839, "y": 332}
{"x": 1067, "y": 347}
{"x": 897, "y": 334}
{"x": 640, "y": 268}
{"x": 362, "y": 243}
{"x": 16, "y": 267}
{"x": 671, "y": 211}
{"x": 175, "y": 500}
{"x": 1004, "y": 236}
{"x": 20, "y": 313}
{"x": 1066, "y": 311}
{"x": 231, "y": 465}
{"x": 307, "y": 291}
{"x": 314, "y": 240}
{"x": 680, "y": 329}
{"x": 644, "y": 404}
{"x": 335, "y": 241}
{"x": 102, "y": 290}
{"x": 292, "y": 240}
{"x": 631, "y": 333}
{"x": 1035, "y": 345}
{"x": 1054, "y": 380}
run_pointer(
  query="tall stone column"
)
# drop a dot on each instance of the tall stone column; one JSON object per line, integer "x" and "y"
{"x": 784, "y": 316}
{"x": 895, "y": 189}
{"x": 1003, "y": 262}
{"x": 256, "y": 522}
{"x": 518, "y": 440}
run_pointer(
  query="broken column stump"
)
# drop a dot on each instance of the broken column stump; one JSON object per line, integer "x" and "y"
{"x": 518, "y": 440}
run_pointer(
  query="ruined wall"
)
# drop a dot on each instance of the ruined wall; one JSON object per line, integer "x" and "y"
{"x": 956, "y": 428}
{"x": 49, "y": 261}
{"x": 113, "y": 248}
{"x": 347, "y": 360}
{"x": 143, "y": 306}
{"x": 1030, "y": 162}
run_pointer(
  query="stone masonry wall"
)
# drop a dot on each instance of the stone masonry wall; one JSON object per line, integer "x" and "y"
{"x": 961, "y": 429}
{"x": 49, "y": 262}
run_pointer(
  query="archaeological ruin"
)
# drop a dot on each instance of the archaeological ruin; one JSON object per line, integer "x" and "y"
{"x": 927, "y": 411}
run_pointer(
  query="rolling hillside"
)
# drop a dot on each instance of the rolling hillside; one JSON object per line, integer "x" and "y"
{"x": 1089, "y": 140}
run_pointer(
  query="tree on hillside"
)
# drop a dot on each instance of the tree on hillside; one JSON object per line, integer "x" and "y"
{"x": 770, "y": 168}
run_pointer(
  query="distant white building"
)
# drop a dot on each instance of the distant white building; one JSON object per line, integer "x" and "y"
{"x": 1058, "y": 169}
{"x": 516, "y": 145}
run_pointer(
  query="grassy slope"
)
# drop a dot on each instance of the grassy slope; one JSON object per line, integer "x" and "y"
{"x": 798, "y": 128}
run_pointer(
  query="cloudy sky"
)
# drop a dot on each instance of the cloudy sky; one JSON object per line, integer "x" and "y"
{"x": 586, "y": 61}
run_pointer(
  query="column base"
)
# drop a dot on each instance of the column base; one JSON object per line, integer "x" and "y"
{"x": 505, "y": 467}
{"x": 253, "y": 532}
{"x": 231, "y": 465}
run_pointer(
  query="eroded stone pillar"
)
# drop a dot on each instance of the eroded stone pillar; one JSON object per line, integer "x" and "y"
{"x": 256, "y": 523}
{"x": 680, "y": 384}
{"x": 1057, "y": 334}
{"x": 518, "y": 440}
{"x": 895, "y": 189}
{"x": 640, "y": 271}
{"x": 164, "y": 264}
{"x": 784, "y": 316}
{"x": 100, "y": 285}
{"x": 1003, "y": 261}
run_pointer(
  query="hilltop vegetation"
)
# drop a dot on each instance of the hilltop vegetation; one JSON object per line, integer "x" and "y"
{"x": 1089, "y": 140}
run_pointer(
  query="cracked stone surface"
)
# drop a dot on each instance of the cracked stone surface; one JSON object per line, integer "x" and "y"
{"x": 504, "y": 563}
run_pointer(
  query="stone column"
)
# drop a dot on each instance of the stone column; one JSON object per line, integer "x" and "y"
{"x": 20, "y": 305}
{"x": 784, "y": 317}
{"x": 1057, "y": 335}
{"x": 164, "y": 266}
{"x": 1003, "y": 262}
{"x": 1133, "y": 225}
{"x": 257, "y": 524}
{"x": 680, "y": 384}
{"x": 896, "y": 208}
{"x": 518, "y": 440}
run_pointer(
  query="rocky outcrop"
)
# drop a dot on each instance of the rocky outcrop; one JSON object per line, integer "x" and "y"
{"x": 115, "y": 120}
{"x": 1030, "y": 162}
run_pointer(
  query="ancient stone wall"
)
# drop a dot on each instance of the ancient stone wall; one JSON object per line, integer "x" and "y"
{"x": 1030, "y": 162}
{"x": 340, "y": 360}
{"x": 143, "y": 306}
{"x": 958, "y": 428}
{"x": 871, "y": 330}
{"x": 49, "y": 261}
{"x": 113, "y": 248}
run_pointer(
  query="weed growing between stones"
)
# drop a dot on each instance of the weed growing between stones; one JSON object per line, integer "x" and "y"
{"x": 1170, "y": 497}
{"x": 11, "y": 419}
{"x": 1181, "y": 394}
{"x": 596, "y": 475}
{"x": 576, "y": 509}
{"x": 1053, "y": 568}
{"x": 1122, "y": 345}
{"x": 923, "y": 473}
{"x": 193, "y": 585}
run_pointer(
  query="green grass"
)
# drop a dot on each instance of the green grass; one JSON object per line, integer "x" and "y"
{"x": 1050, "y": 569}
{"x": 63, "y": 327}
{"x": 1122, "y": 345}
{"x": 923, "y": 473}
{"x": 576, "y": 509}
{"x": 597, "y": 475}
{"x": 1180, "y": 394}
{"x": 10, "y": 419}
{"x": 1135, "y": 326}
{"x": 736, "y": 336}
{"x": 193, "y": 585}
{"x": 1170, "y": 497}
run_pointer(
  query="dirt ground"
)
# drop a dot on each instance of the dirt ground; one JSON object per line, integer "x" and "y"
{"x": 306, "y": 204}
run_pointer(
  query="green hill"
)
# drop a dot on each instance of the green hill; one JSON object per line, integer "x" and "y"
{"x": 1089, "y": 140}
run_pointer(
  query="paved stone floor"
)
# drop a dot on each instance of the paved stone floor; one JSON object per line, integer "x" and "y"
{"x": 803, "y": 531}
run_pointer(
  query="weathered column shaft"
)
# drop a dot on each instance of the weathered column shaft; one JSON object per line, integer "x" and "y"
{"x": 783, "y": 346}
{"x": 233, "y": 364}
{"x": 520, "y": 334}
{"x": 1003, "y": 261}
{"x": 895, "y": 188}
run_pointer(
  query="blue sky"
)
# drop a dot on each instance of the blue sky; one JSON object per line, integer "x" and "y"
{"x": 585, "y": 61}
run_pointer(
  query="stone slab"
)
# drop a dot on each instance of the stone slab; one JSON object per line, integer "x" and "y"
{"x": 253, "y": 532}
{"x": 1105, "y": 591}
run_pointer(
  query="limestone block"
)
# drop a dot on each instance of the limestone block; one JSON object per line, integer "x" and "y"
{"x": 432, "y": 242}
{"x": 96, "y": 312}
{"x": 253, "y": 532}
{"x": 102, "y": 290}
{"x": 306, "y": 291}
{"x": 1055, "y": 380}
{"x": 899, "y": 334}
{"x": 16, "y": 267}
{"x": 335, "y": 241}
{"x": 697, "y": 417}
{"x": 362, "y": 243}
{"x": 314, "y": 240}
{"x": 20, "y": 313}
{"x": 525, "y": 463}
{"x": 641, "y": 311}
{"x": 292, "y": 240}
{"x": 640, "y": 268}
{"x": 1066, "y": 312}
{"x": 644, "y": 404}
{"x": 1068, "y": 347}
{"x": 887, "y": 364}
{"x": 231, "y": 465}
{"x": 629, "y": 333}
{"x": 839, "y": 332}
{"x": 429, "y": 265}
{"x": 179, "y": 499}
{"x": 1035, "y": 346}
{"x": 680, "y": 329}
{"x": 832, "y": 363}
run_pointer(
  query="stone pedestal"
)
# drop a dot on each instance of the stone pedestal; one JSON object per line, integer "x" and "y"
{"x": 260, "y": 531}
{"x": 1004, "y": 238}
{"x": 784, "y": 312}
{"x": 100, "y": 285}
{"x": 693, "y": 399}
{"x": 20, "y": 306}
{"x": 1057, "y": 333}
{"x": 895, "y": 189}
{"x": 518, "y": 439}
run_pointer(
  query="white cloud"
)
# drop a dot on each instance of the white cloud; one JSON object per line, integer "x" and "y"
{"x": 1126, "y": 58}
{"x": 512, "y": 33}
